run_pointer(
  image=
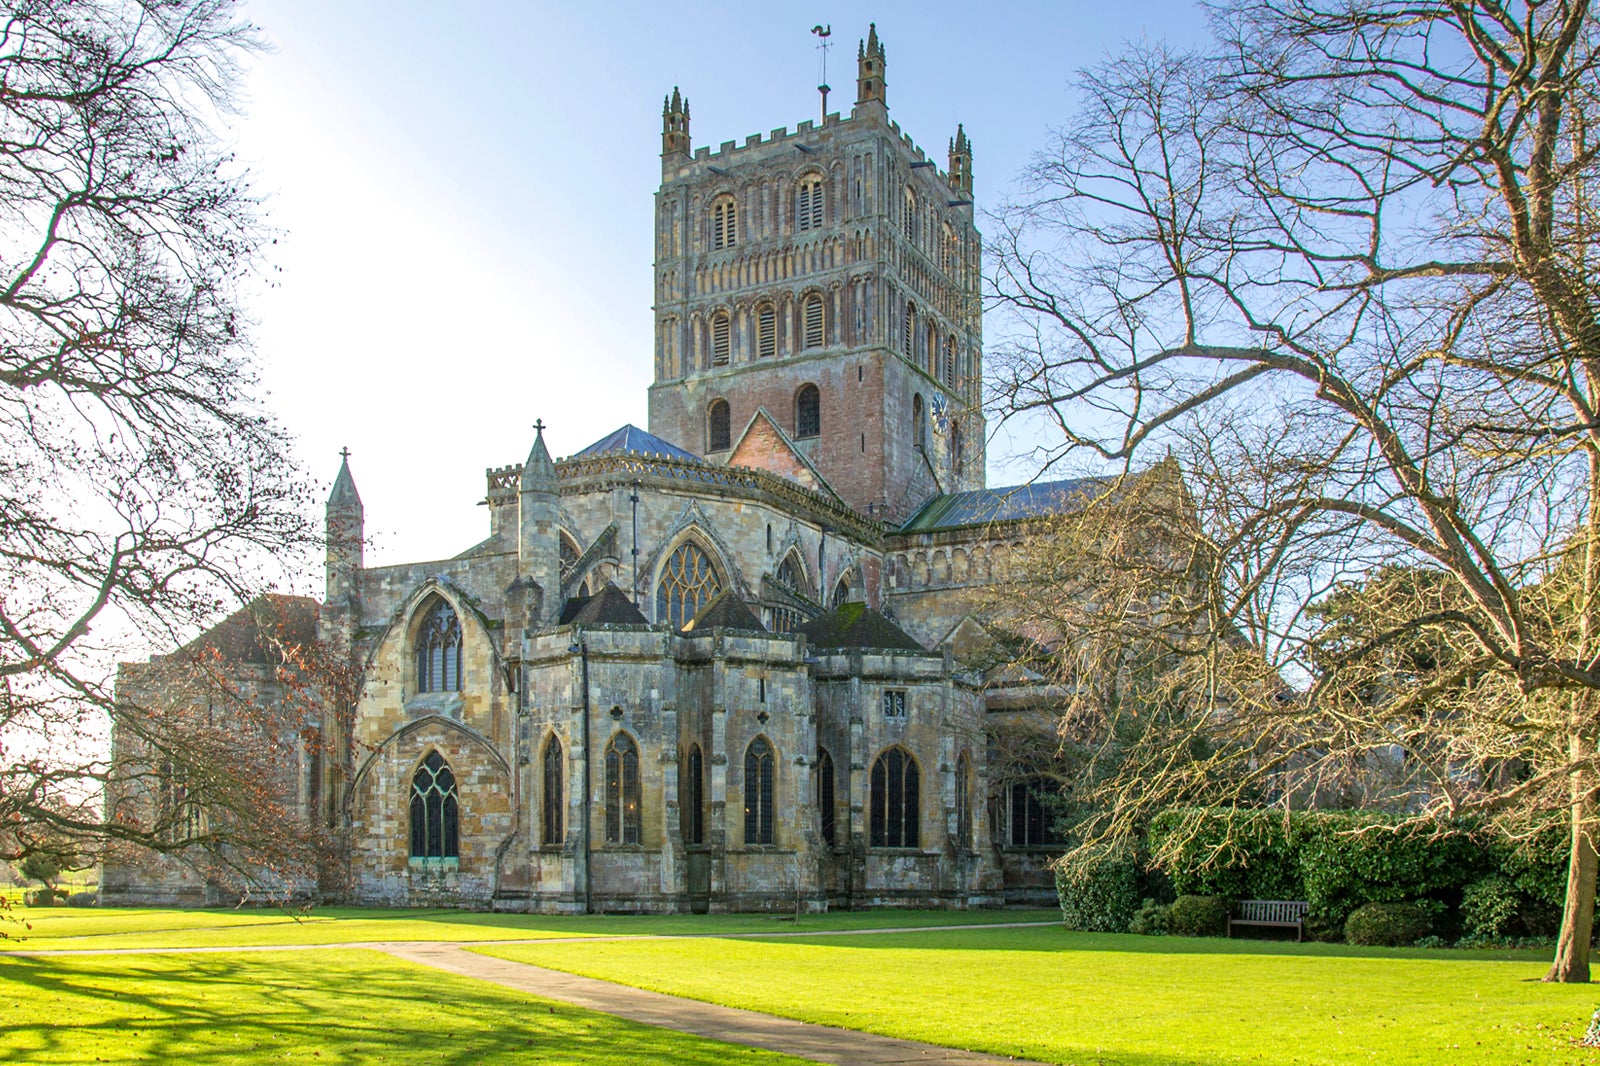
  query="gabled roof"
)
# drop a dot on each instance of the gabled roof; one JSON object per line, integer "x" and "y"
{"x": 765, "y": 446}
{"x": 609, "y": 606}
{"x": 725, "y": 611}
{"x": 631, "y": 438}
{"x": 855, "y": 625}
{"x": 953, "y": 510}
{"x": 257, "y": 632}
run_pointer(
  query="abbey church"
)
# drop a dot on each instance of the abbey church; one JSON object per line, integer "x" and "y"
{"x": 725, "y": 663}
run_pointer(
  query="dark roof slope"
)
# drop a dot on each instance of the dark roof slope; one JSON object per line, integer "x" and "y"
{"x": 258, "y": 631}
{"x": 953, "y": 510}
{"x": 631, "y": 438}
{"x": 855, "y": 625}
{"x": 609, "y": 606}
{"x": 725, "y": 611}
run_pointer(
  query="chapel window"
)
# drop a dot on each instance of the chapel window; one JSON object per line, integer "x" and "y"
{"x": 694, "y": 797}
{"x": 721, "y": 338}
{"x": 895, "y": 800}
{"x": 1032, "y": 823}
{"x": 825, "y": 797}
{"x": 964, "y": 801}
{"x": 808, "y": 204}
{"x": 766, "y": 331}
{"x": 811, "y": 315}
{"x": 688, "y": 582}
{"x": 791, "y": 573}
{"x": 841, "y": 591}
{"x": 555, "y": 797}
{"x": 435, "y": 812}
{"x": 622, "y": 791}
{"x": 719, "y": 430}
{"x": 807, "y": 412}
{"x": 724, "y": 223}
{"x": 439, "y": 650}
{"x": 758, "y": 792}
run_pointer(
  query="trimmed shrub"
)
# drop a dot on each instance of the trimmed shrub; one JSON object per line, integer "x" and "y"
{"x": 83, "y": 899}
{"x": 1489, "y": 907}
{"x": 1230, "y": 854}
{"x": 44, "y": 897}
{"x": 1152, "y": 919}
{"x": 1198, "y": 916}
{"x": 1388, "y": 924}
{"x": 1099, "y": 891}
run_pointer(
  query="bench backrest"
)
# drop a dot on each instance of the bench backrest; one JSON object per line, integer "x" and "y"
{"x": 1273, "y": 910}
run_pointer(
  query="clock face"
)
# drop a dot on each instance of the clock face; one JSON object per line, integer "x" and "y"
{"x": 941, "y": 413}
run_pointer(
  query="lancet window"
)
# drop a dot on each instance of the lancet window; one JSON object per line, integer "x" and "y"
{"x": 622, "y": 791}
{"x": 439, "y": 650}
{"x": 896, "y": 809}
{"x": 758, "y": 763}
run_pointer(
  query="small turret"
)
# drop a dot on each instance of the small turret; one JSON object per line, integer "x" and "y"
{"x": 345, "y": 533}
{"x": 869, "y": 70}
{"x": 961, "y": 163}
{"x": 539, "y": 538}
{"x": 675, "y": 125}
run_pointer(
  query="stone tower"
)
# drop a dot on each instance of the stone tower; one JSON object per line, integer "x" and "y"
{"x": 538, "y": 536}
{"x": 344, "y": 532}
{"x": 828, "y": 275}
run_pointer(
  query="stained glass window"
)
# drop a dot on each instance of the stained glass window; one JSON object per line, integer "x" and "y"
{"x": 758, "y": 792}
{"x": 435, "y": 814}
{"x": 895, "y": 803}
{"x": 688, "y": 582}
{"x": 439, "y": 650}
{"x": 622, "y": 790}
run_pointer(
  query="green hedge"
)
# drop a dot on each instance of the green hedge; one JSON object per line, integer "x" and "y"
{"x": 1388, "y": 924}
{"x": 1100, "y": 892}
{"x": 1198, "y": 916}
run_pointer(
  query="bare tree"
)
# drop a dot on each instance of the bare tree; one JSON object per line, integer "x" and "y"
{"x": 141, "y": 484}
{"x": 1344, "y": 261}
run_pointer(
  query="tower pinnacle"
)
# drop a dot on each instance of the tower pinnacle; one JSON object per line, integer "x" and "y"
{"x": 675, "y": 124}
{"x": 869, "y": 69}
{"x": 961, "y": 163}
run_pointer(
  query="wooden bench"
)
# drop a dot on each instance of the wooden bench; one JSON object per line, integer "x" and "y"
{"x": 1274, "y": 913}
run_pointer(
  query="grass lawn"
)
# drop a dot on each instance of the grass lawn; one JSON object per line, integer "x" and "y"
{"x": 1132, "y": 1001}
{"x": 345, "y": 1007}
{"x": 38, "y": 928}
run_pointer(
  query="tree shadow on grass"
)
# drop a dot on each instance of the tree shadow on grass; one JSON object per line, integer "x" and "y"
{"x": 328, "y": 1007}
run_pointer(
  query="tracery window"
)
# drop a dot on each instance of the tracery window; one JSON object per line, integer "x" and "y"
{"x": 811, "y": 314}
{"x": 825, "y": 797}
{"x": 964, "y": 801}
{"x": 719, "y": 430}
{"x": 724, "y": 223}
{"x": 791, "y": 573}
{"x": 807, "y": 412}
{"x": 766, "y": 331}
{"x": 758, "y": 792}
{"x": 841, "y": 591}
{"x": 808, "y": 204}
{"x": 895, "y": 800}
{"x": 439, "y": 650}
{"x": 622, "y": 791}
{"x": 721, "y": 338}
{"x": 1032, "y": 825}
{"x": 555, "y": 797}
{"x": 688, "y": 582}
{"x": 569, "y": 562}
{"x": 694, "y": 797}
{"x": 435, "y": 811}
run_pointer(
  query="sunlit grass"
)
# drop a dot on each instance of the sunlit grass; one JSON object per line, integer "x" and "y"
{"x": 308, "y": 1007}
{"x": 1132, "y": 1001}
{"x": 100, "y": 928}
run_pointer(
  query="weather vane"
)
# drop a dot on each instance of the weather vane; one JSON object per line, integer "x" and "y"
{"x": 823, "y": 44}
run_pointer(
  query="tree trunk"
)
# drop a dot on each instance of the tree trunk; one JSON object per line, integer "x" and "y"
{"x": 1571, "y": 963}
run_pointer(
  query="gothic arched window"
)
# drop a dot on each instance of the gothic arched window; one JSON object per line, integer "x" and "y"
{"x": 812, "y": 321}
{"x": 435, "y": 813}
{"x": 807, "y": 412}
{"x": 909, "y": 219}
{"x": 622, "y": 791}
{"x": 841, "y": 591}
{"x": 721, "y": 338}
{"x": 964, "y": 801}
{"x": 895, "y": 800}
{"x": 687, "y": 583}
{"x": 808, "y": 203}
{"x": 719, "y": 430}
{"x": 825, "y": 800}
{"x": 766, "y": 331}
{"x": 555, "y": 796}
{"x": 724, "y": 223}
{"x": 694, "y": 797}
{"x": 919, "y": 423}
{"x": 908, "y": 339}
{"x": 758, "y": 792}
{"x": 439, "y": 650}
{"x": 793, "y": 574}
{"x": 950, "y": 360}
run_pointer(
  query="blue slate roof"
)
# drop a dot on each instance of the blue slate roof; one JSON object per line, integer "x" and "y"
{"x": 953, "y": 510}
{"x": 631, "y": 438}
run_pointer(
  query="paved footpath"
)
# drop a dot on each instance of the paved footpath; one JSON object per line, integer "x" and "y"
{"x": 819, "y": 1043}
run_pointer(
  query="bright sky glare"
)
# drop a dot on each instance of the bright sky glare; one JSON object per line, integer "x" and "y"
{"x": 466, "y": 192}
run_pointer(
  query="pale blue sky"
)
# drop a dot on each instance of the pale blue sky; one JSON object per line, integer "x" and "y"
{"x": 466, "y": 193}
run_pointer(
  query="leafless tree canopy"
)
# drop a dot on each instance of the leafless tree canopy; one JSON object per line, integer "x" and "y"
{"x": 140, "y": 481}
{"x": 1344, "y": 261}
